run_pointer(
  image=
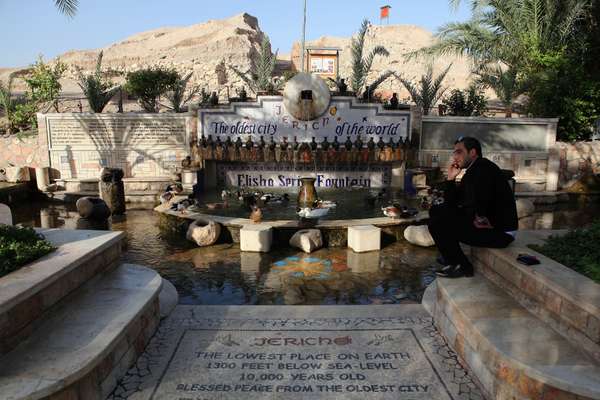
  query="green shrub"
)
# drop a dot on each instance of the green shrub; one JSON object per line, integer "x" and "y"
{"x": 19, "y": 246}
{"x": 579, "y": 249}
{"x": 148, "y": 84}
{"x": 44, "y": 82}
{"x": 97, "y": 89}
{"x": 469, "y": 102}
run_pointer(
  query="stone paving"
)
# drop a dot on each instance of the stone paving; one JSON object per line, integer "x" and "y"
{"x": 297, "y": 352}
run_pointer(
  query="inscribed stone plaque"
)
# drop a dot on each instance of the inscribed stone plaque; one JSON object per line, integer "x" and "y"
{"x": 143, "y": 145}
{"x": 297, "y": 352}
{"x": 377, "y": 364}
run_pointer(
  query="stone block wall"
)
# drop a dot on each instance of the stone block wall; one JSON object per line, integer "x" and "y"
{"x": 22, "y": 152}
{"x": 576, "y": 159}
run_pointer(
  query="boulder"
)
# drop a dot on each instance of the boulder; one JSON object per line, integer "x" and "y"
{"x": 418, "y": 235}
{"x": 203, "y": 235}
{"x": 92, "y": 208}
{"x": 5, "y": 215}
{"x": 307, "y": 240}
{"x": 525, "y": 208}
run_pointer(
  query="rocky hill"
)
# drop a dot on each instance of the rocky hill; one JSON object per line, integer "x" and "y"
{"x": 205, "y": 49}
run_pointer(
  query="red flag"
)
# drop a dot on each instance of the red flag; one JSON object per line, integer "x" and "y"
{"x": 385, "y": 11}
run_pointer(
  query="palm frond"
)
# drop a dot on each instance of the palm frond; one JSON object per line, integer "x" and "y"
{"x": 378, "y": 81}
{"x": 246, "y": 77}
{"x": 67, "y": 7}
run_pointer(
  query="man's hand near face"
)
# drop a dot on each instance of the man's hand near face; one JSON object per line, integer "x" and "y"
{"x": 453, "y": 170}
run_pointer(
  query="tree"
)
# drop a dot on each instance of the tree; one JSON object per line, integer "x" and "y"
{"x": 7, "y": 105}
{"x": 428, "y": 91}
{"x": 67, "y": 7}
{"x": 361, "y": 65}
{"x": 505, "y": 82}
{"x": 536, "y": 47}
{"x": 260, "y": 77}
{"x": 150, "y": 83}
{"x": 178, "y": 94}
{"x": 97, "y": 89}
{"x": 44, "y": 82}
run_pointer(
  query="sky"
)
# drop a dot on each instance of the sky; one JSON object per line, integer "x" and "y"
{"x": 29, "y": 28}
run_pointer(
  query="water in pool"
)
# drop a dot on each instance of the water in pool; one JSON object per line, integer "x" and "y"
{"x": 222, "y": 274}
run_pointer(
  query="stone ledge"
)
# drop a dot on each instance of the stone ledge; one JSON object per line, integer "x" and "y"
{"x": 563, "y": 298}
{"x": 87, "y": 341}
{"x": 513, "y": 354}
{"x": 27, "y": 293}
{"x": 335, "y": 223}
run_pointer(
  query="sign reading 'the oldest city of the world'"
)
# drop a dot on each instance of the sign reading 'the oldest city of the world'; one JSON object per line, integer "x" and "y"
{"x": 268, "y": 117}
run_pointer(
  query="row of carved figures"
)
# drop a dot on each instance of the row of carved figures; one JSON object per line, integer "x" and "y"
{"x": 325, "y": 152}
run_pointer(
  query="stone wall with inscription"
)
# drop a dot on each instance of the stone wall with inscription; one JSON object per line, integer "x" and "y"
{"x": 526, "y": 146}
{"x": 345, "y": 117}
{"x": 143, "y": 145}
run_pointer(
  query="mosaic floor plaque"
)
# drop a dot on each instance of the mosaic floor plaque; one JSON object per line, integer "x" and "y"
{"x": 264, "y": 352}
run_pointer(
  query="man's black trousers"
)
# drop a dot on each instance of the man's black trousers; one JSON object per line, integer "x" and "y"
{"x": 449, "y": 228}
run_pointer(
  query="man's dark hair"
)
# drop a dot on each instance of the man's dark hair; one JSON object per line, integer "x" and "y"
{"x": 470, "y": 143}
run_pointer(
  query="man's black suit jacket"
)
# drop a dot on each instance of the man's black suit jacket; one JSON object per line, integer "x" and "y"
{"x": 484, "y": 191}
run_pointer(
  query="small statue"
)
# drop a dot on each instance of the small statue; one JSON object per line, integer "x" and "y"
{"x": 219, "y": 149}
{"x": 256, "y": 214}
{"x": 366, "y": 154}
{"x": 186, "y": 162}
{"x": 210, "y": 147}
{"x": 348, "y": 144}
{"x": 227, "y": 147}
{"x": 243, "y": 96}
{"x": 237, "y": 149}
{"x": 394, "y": 101}
{"x": 270, "y": 153}
{"x": 342, "y": 86}
{"x": 260, "y": 151}
{"x": 282, "y": 152}
{"x": 214, "y": 99}
{"x": 335, "y": 144}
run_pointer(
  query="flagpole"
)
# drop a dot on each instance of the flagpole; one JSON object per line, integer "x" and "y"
{"x": 303, "y": 37}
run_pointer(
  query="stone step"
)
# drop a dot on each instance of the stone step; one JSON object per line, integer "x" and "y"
{"x": 27, "y": 293}
{"x": 514, "y": 354}
{"x": 87, "y": 341}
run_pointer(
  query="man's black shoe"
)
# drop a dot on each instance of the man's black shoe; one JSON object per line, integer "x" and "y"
{"x": 455, "y": 271}
{"x": 443, "y": 268}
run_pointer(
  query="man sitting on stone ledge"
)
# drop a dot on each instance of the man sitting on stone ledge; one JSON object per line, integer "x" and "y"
{"x": 480, "y": 210}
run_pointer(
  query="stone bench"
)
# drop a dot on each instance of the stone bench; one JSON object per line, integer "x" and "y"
{"x": 363, "y": 238}
{"x": 566, "y": 300}
{"x": 256, "y": 237}
{"x": 26, "y": 294}
{"x": 514, "y": 354}
{"x": 87, "y": 341}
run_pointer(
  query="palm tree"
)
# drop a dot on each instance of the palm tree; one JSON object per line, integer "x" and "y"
{"x": 97, "y": 90}
{"x": 260, "y": 77}
{"x": 513, "y": 32}
{"x": 428, "y": 91}
{"x": 179, "y": 95}
{"x": 361, "y": 66}
{"x": 505, "y": 82}
{"x": 67, "y": 7}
